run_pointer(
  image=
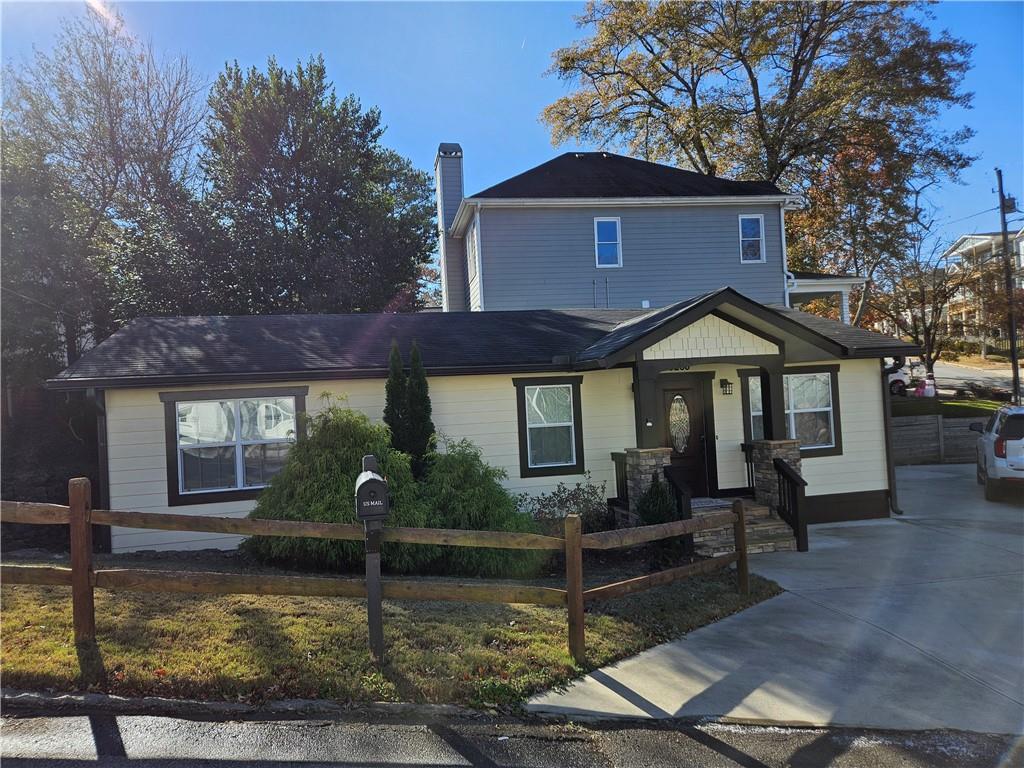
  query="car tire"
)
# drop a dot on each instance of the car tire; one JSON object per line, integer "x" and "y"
{"x": 977, "y": 474}
{"x": 898, "y": 388}
{"x": 991, "y": 489}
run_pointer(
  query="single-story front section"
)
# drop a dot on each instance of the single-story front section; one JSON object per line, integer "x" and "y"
{"x": 198, "y": 413}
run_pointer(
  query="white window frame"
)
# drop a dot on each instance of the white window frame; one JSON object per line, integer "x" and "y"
{"x": 618, "y": 242}
{"x": 571, "y": 424}
{"x": 238, "y": 443}
{"x": 756, "y": 410}
{"x": 760, "y": 218}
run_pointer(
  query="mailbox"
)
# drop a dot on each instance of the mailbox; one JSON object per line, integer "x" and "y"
{"x": 373, "y": 501}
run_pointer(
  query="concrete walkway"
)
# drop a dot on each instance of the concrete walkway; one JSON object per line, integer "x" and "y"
{"x": 911, "y": 623}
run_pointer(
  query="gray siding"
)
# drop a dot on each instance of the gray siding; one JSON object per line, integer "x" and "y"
{"x": 544, "y": 257}
{"x": 448, "y": 171}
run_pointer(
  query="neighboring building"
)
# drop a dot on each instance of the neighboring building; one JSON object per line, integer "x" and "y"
{"x": 199, "y": 412}
{"x": 968, "y": 316}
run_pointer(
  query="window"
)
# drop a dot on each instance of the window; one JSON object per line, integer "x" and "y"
{"x": 550, "y": 429}
{"x": 228, "y": 445}
{"x": 811, "y": 410}
{"x": 607, "y": 242}
{"x": 752, "y": 238}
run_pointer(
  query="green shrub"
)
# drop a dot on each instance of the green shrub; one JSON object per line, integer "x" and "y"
{"x": 586, "y": 499}
{"x": 317, "y": 483}
{"x": 459, "y": 490}
{"x": 657, "y": 505}
{"x": 462, "y": 491}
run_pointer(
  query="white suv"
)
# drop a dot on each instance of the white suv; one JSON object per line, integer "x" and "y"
{"x": 1001, "y": 452}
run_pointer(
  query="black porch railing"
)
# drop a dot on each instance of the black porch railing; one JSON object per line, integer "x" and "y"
{"x": 792, "y": 506}
{"x": 676, "y": 477}
{"x": 621, "y": 480}
{"x": 748, "y": 459}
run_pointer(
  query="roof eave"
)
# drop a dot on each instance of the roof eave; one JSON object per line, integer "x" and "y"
{"x": 463, "y": 215}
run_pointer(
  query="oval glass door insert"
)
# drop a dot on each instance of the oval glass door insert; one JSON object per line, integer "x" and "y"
{"x": 679, "y": 423}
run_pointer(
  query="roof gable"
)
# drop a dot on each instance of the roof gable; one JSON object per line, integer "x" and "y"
{"x": 711, "y": 335}
{"x": 606, "y": 175}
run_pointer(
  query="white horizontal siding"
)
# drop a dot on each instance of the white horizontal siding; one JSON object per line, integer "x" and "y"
{"x": 480, "y": 408}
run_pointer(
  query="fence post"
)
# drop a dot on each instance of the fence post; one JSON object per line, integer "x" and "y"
{"x": 739, "y": 532}
{"x": 83, "y": 611}
{"x": 574, "y": 586}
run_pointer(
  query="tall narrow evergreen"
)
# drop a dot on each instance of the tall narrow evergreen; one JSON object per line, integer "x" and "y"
{"x": 420, "y": 429}
{"x": 396, "y": 400}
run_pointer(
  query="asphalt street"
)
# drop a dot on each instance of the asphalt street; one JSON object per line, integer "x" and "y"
{"x": 950, "y": 376}
{"x": 153, "y": 742}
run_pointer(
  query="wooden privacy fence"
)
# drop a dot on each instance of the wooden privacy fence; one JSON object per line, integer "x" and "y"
{"x": 83, "y": 578}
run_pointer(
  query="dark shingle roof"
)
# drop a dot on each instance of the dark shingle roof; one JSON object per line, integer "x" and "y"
{"x": 603, "y": 174}
{"x": 234, "y": 347}
{"x": 161, "y": 350}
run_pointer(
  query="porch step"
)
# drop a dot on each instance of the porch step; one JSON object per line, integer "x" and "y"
{"x": 765, "y": 533}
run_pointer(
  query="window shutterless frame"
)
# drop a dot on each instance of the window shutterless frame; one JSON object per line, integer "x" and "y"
{"x": 760, "y": 239}
{"x": 577, "y": 466}
{"x": 176, "y": 497}
{"x": 598, "y": 242}
{"x": 836, "y": 449}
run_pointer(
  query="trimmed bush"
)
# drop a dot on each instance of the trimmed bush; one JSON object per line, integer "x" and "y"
{"x": 656, "y": 505}
{"x": 317, "y": 484}
{"x": 459, "y": 490}
{"x": 464, "y": 492}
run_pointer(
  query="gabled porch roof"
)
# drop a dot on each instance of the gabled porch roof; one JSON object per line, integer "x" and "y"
{"x": 800, "y": 331}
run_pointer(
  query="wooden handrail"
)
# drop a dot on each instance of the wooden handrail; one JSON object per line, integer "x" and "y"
{"x": 782, "y": 466}
{"x": 630, "y": 537}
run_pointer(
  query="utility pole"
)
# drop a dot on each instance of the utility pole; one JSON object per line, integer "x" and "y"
{"x": 1011, "y": 315}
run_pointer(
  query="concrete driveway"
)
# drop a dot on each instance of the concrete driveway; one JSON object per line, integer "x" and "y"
{"x": 912, "y": 623}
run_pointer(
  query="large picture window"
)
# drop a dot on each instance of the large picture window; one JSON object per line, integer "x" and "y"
{"x": 811, "y": 410}
{"x": 550, "y": 429}
{"x": 228, "y": 447}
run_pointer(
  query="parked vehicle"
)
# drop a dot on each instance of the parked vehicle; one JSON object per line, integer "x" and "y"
{"x": 902, "y": 380}
{"x": 1001, "y": 452}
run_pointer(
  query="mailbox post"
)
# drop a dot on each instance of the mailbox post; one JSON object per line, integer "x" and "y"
{"x": 373, "y": 502}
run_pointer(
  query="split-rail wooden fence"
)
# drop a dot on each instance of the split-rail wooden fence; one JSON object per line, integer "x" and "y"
{"x": 84, "y": 578}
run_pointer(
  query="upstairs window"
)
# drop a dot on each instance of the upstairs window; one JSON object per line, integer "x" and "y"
{"x": 608, "y": 242}
{"x": 752, "y": 238}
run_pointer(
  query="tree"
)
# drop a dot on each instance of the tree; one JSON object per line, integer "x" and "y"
{"x": 119, "y": 123}
{"x": 319, "y": 216}
{"x": 767, "y": 91}
{"x": 47, "y": 275}
{"x": 915, "y": 291}
{"x": 396, "y": 400}
{"x": 420, "y": 431}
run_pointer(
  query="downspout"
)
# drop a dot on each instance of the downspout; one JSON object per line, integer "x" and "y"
{"x": 890, "y": 467}
{"x": 788, "y": 278}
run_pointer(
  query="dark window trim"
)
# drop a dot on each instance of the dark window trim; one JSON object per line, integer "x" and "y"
{"x": 837, "y": 428}
{"x": 170, "y": 399}
{"x": 525, "y": 470}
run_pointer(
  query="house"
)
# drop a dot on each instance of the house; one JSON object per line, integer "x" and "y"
{"x": 968, "y": 315}
{"x": 622, "y": 315}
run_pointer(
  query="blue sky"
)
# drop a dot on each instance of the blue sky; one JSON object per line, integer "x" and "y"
{"x": 474, "y": 73}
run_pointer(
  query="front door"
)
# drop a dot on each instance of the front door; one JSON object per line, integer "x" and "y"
{"x": 683, "y": 417}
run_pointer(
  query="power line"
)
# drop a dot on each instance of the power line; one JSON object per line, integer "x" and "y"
{"x": 964, "y": 218}
{"x": 28, "y": 298}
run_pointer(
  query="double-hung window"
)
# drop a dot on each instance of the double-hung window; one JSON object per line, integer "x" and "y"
{"x": 751, "y": 238}
{"x": 608, "y": 242}
{"x": 550, "y": 429}
{"x": 229, "y": 446}
{"x": 811, "y": 410}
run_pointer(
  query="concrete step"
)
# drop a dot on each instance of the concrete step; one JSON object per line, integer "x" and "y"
{"x": 773, "y": 543}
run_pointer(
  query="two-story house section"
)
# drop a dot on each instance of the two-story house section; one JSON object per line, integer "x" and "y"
{"x": 599, "y": 230}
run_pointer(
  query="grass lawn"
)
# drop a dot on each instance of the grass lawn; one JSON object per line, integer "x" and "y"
{"x": 931, "y": 406}
{"x": 253, "y": 648}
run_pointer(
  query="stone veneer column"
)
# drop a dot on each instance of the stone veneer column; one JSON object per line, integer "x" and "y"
{"x": 766, "y": 480}
{"x": 641, "y": 466}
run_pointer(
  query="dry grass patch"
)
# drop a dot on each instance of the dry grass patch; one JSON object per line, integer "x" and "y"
{"x": 269, "y": 647}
